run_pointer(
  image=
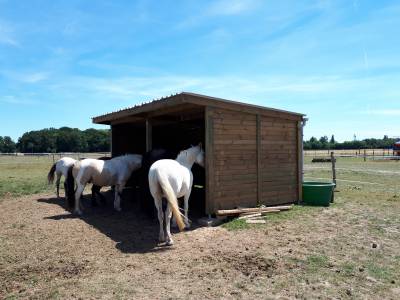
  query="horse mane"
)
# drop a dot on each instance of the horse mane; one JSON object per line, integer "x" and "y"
{"x": 189, "y": 151}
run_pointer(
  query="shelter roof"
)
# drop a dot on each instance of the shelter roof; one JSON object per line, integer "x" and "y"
{"x": 192, "y": 99}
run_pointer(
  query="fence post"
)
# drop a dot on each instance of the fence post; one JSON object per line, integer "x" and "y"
{"x": 373, "y": 154}
{"x": 365, "y": 155}
{"x": 333, "y": 160}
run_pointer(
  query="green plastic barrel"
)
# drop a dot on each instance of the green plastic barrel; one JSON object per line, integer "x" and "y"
{"x": 317, "y": 193}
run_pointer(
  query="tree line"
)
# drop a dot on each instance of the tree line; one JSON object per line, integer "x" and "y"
{"x": 64, "y": 139}
{"x": 324, "y": 143}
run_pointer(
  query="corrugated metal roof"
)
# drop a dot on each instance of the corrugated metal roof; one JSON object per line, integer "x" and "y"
{"x": 138, "y": 105}
{"x": 179, "y": 98}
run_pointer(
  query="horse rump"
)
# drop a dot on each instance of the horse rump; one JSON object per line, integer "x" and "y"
{"x": 171, "y": 198}
{"x": 146, "y": 202}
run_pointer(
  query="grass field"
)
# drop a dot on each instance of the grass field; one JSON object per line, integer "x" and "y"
{"x": 26, "y": 175}
{"x": 350, "y": 250}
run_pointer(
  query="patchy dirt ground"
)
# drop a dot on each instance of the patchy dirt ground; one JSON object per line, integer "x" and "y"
{"x": 45, "y": 252}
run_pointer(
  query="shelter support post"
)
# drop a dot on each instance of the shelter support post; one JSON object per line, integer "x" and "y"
{"x": 300, "y": 158}
{"x": 259, "y": 174}
{"x": 209, "y": 139}
{"x": 149, "y": 135}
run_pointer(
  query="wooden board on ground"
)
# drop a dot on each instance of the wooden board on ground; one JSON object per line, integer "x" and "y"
{"x": 238, "y": 211}
{"x": 250, "y": 221}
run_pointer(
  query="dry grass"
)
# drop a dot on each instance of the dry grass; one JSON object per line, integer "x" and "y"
{"x": 349, "y": 250}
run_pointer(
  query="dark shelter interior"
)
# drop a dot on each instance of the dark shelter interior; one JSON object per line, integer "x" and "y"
{"x": 173, "y": 130}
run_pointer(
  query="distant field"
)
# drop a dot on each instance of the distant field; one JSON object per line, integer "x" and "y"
{"x": 25, "y": 175}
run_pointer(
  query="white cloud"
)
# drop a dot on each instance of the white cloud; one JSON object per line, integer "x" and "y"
{"x": 218, "y": 8}
{"x": 130, "y": 89}
{"x": 231, "y": 7}
{"x": 15, "y": 100}
{"x": 27, "y": 77}
{"x": 34, "y": 77}
{"x": 7, "y": 36}
{"x": 383, "y": 112}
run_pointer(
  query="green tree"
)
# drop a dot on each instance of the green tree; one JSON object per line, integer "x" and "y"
{"x": 7, "y": 145}
{"x": 323, "y": 142}
{"x": 65, "y": 139}
{"x": 71, "y": 140}
{"x": 97, "y": 140}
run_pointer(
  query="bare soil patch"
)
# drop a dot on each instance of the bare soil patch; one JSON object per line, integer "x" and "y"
{"x": 45, "y": 252}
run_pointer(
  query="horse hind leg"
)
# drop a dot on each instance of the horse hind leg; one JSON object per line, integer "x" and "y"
{"x": 101, "y": 196}
{"x": 186, "y": 209}
{"x": 118, "y": 193}
{"x": 95, "y": 191}
{"x": 160, "y": 214}
{"x": 78, "y": 194}
{"x": 58, "y": 184}
{"x": 168, "y": 215}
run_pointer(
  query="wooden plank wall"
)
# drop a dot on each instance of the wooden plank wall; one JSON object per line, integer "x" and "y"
{"x": 279, "y": 161}
{"x": 234, "y": 159}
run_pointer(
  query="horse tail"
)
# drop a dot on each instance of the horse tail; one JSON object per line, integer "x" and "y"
{"x": 70, "y": 185}
{"x": 171, "y": 198}
{"x": 50, "y": 176}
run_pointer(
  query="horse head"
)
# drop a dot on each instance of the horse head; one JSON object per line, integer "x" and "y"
{"x": 200, "y": 159}
{"x": 197, "y": 154}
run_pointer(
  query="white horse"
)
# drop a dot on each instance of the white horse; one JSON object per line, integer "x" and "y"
{"x": 60, "y": 167}
{"x": 173, "y": 179}
{"x": 111, "y": 172}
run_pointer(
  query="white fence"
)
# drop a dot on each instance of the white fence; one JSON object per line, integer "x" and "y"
{"x": 360, "y": 153}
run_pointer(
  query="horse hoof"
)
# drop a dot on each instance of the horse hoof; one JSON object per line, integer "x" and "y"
{"x": 169, "y": 243}
{"x": 78, "y": 212}
{"x": 117, "y": 208}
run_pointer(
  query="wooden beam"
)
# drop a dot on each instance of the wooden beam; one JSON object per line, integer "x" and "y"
{"x": 149, "y": 135}
{"x": 300, "y": 161}
{"x": 130, "y": 119}
{"x": 111, "y": 140}
{"x": 177, "y": 110}
{"x": 209, "y": 149}
{"x": 259, "y": 174}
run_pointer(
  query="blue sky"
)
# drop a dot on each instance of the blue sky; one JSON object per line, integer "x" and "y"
{"x": 63, "y": 62}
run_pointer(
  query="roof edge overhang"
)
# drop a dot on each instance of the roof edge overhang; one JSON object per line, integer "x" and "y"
{"x": 197, "y": 99}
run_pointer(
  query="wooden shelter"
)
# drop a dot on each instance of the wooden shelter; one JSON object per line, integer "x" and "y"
{"x": 253, "y": 153}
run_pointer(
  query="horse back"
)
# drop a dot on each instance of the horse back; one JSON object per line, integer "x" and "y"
{"x": 179, "y": 177}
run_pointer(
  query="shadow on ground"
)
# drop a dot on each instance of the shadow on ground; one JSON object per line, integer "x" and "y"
{"x": 131, "y": 230}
